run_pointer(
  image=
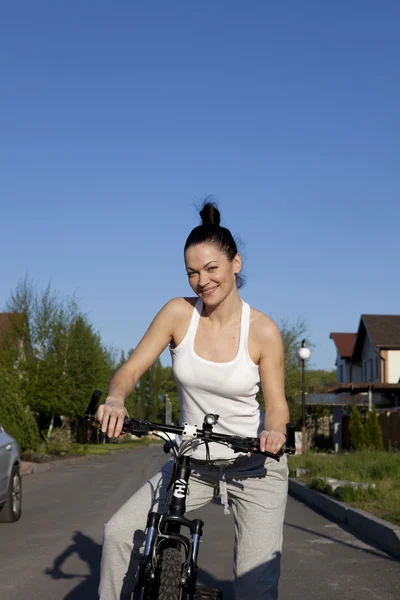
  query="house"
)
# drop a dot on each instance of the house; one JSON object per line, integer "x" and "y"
{"x": 344, "y": 343}
{"x": 369, "y": 361}
{"x": 368, "y": 368}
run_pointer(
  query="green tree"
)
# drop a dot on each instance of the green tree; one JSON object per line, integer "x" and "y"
{"x": 51, "y": 326}
{"x": 373, "y": 431}
{"x": 148, "y": 393}
{"x": 141, "y": 388}
{"x": 21, "y": 302}
{"x": 131, "y": 400}
{"x": 356, "y": 430}
{"x": 319, "y": 381}
{"x": 39, "y": 376}
{"x": 169, "y": 387}
{"x": 15, "y": 416}
{"x": 292, "y": 335}
{"x": 67, "y": 360}
{"x": 87, "y": 366}
{"x": 155, "y": 378}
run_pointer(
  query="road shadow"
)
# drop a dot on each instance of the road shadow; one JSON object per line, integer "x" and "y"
{"x": 380, "y": 553}
{"x": 207, "y": 580}
{"x": 88, "y": 552}
{"x": 260, "y": 582}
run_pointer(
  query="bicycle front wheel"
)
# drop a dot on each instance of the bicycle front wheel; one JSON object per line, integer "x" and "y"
{"x": 169, "y": 581}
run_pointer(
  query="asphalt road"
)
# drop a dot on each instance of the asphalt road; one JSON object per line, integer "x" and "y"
{"x": 53, "y": 552}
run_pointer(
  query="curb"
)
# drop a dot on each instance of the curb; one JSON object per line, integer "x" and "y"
{"x": 30, "y": 468}
{"x": 373, "y": 529}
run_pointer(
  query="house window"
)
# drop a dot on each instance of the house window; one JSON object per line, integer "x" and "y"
{"x": 371, "y": 369}
{"x": 341, "y": 374}
{"x": 377, "y": 367}
{"x": 365, "y": 371}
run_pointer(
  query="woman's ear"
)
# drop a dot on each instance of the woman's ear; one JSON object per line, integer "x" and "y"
{"x": 237, "y": 264}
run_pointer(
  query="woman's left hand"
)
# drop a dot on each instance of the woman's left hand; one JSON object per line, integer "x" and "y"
{"x": 272, "y": 441}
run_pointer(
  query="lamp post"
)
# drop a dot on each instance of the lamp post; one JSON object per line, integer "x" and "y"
{"x": 304, "y": 354}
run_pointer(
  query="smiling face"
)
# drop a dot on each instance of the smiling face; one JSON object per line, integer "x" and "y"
{"x": 212, "y": 276}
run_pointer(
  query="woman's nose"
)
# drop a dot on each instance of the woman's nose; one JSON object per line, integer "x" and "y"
{"x": 203, "y": 279}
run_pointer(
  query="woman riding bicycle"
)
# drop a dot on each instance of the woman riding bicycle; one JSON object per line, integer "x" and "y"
{"x": 221, "y": 350}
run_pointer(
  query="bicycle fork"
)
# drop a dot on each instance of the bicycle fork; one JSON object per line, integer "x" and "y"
{"x": 168, "y": 528}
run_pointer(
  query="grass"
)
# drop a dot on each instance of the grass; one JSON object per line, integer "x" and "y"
{"x": 111, "y": 447}
{"x": 378, "y": 467}
{"x": 70, "y": 449}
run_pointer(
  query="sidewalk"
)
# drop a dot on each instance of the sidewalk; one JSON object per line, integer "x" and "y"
{"x": 382, "y": 533}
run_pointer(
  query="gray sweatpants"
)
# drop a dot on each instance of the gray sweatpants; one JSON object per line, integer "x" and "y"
{"x": 257, "y": 490}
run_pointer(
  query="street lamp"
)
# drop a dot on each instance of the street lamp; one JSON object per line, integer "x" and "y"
{"x": 304, "y": 354}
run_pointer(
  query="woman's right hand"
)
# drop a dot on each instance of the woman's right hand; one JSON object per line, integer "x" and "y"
{"x": 111, "y": 416}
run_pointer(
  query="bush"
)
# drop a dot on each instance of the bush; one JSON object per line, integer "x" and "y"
{"x": 320, "y": 485}
{"x": 60, "y": 442}
{"x": 373, "y": 431}
{"x": 350, "y": 494}
{"x": 356, "y": 430}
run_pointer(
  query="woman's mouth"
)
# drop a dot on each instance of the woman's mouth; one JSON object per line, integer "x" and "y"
{"x": 207, "y": 293}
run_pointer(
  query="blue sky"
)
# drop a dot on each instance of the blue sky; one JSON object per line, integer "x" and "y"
{"x": 117, "y": 118}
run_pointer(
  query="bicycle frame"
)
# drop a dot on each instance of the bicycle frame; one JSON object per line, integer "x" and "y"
{"x": 165, "y": 530}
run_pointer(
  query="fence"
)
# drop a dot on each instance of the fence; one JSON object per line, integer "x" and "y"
{"x": 389, "y": 420}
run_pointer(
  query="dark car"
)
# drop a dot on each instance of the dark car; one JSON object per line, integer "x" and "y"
{"x": 10, "y": 478}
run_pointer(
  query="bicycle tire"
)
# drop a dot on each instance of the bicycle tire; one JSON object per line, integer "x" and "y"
{"x": 203, "y": 593}
{"x": 169, "y": 581}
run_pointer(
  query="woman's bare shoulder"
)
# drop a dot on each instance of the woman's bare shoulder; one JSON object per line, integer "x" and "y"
{"x": 179, "y": 314}
{"x": 263, "y": 326}
{"x": 180, "y": 307}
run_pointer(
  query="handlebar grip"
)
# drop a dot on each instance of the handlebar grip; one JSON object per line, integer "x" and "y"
{"x": 93, "y": 404}
{"x": 290, "y": 444}
{"x": 254, "y": 442}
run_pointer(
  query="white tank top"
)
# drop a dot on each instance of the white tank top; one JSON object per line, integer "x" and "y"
{"x": 228, "y": 389}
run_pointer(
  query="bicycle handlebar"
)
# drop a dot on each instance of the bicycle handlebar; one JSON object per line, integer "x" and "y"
{"x": 238, "y": 444}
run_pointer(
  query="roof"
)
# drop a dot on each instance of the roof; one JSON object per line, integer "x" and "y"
{"x": 357, "y": 388}
{"x": 382, "y": 330}
{"x": 10, "y": 325}
{"x": 344, "y": 343}
{"x": 346, "y": 396}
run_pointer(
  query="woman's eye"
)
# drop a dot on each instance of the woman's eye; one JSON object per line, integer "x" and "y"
{"x": 212, "y": 268}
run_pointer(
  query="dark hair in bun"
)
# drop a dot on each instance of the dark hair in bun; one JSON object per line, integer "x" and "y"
{"x": 210, "y": 232}
{"x": 210, "y": 214}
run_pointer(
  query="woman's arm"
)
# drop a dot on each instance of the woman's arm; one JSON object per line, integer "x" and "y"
{"x": 271, "y": 366}
{"x": 111, "y": 414}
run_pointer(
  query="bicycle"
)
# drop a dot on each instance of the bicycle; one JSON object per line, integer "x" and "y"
{"x": 168, "y": 568}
